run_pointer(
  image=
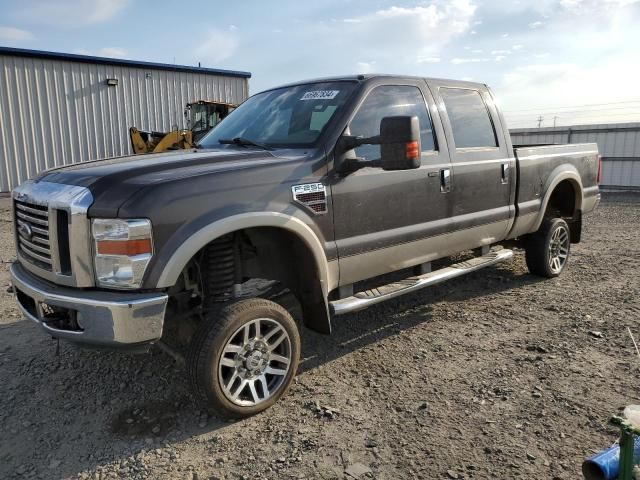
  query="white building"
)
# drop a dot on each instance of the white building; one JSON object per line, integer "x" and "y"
{"x": 57, "y": 109}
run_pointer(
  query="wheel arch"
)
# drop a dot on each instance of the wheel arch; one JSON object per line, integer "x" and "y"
{"x": 316, "y": 313}
{"x": 561, "y": 179}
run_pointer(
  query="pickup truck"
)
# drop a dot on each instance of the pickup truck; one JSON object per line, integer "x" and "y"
{"x": 299, "y": 196}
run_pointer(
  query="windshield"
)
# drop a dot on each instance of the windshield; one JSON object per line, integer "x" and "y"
{"x": 286, "y": 117}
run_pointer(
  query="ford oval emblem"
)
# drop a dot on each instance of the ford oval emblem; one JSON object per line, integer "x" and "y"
{"x": 25, "y": 231}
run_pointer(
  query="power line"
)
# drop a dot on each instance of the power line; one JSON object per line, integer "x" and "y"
{"x": 635, "y": 107}
{"x": 573, "y": 106}
{"x": 631, "y": 107}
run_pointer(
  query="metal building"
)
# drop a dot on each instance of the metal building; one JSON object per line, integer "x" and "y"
{"x": 618, "y": 143}
{"x": 57, "y": 109}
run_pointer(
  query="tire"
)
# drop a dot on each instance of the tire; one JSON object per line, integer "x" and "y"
{"x": 241, "y": 351}
{"x": 547, "y": 250}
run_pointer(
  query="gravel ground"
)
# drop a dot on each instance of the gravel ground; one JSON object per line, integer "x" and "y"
{"x": 495, "y": 375}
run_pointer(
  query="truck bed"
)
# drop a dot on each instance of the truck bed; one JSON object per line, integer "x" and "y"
{"x": 540, "y": 168}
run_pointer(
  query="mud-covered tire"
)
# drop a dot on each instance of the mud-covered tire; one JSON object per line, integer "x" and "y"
{"x": 214, "y": 357}
{"x": 547, "y": 250}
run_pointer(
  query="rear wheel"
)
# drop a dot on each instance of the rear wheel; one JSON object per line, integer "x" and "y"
{"x": 547, "y": 250}
{"x": 244, "y": 357}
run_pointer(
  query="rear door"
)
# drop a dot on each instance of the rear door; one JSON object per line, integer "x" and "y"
{"x": 483, "y": 167}
{"x": 380, "y": 215}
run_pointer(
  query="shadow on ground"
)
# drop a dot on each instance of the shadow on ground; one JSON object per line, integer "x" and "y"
{"x": 102, "y": 406}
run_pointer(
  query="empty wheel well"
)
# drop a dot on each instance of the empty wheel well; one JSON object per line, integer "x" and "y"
{"x": 267, "y": 253}
{"x": 564, "y": 203}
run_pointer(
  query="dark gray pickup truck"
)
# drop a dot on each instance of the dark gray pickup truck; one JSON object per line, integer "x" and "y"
{"x": 288, "y": 205}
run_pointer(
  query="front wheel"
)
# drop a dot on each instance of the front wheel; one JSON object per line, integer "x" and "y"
{"x": 244, "y": 357}
{"x": 547, "y": 250}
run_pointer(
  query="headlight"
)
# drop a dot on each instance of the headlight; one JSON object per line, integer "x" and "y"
{"x": 123, "y": 249}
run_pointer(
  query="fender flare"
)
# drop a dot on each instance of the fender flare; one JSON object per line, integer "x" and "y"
{"x": 560, "y": 174}
{"x": 206, "y": 234}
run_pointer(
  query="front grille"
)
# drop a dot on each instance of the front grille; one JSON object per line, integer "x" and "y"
{"x": 32, "y": 227}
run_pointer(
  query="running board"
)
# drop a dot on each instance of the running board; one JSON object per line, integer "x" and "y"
{"x": 367, "y": 298}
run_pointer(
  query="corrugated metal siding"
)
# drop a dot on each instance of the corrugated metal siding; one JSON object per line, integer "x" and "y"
{"x": 55, "y": 112}
{"x": 619, "y": 145}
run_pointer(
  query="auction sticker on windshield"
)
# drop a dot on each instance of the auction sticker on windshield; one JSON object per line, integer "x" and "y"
{"x": 320, "y": 95}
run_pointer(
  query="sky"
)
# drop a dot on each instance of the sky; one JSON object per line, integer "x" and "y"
{"x": 567, "y": 61}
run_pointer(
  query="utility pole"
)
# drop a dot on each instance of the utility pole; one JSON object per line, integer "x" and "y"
{"x": 554, "y": 120}
{"x": 540, "y": 119}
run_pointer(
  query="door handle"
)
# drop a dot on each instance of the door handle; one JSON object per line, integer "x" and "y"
{"x": 505, "y": 173}
{"x": 445, "y": 180}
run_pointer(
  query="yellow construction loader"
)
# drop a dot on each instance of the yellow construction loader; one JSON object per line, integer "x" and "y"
{"x": 201, "y": 116}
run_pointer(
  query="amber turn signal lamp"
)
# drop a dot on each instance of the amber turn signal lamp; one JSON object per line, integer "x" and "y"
{"x": 124, "y": 247}
{"x": 411, "y": 150}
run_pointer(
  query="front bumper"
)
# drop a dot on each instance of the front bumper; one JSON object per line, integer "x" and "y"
{"x": 111, "y": 319}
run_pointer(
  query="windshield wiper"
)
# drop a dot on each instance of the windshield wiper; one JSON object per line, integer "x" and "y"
{"x": 244, "y": 142}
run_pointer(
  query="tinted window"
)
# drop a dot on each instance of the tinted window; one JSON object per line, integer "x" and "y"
{"x": 389, "y": 101}
{"x": 288, "y": 117}
{"x": 469, "y": 118}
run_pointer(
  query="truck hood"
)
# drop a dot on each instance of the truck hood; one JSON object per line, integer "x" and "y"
{"x": 112, "y": 181}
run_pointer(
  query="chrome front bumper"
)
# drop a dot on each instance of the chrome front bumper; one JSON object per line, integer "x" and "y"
{"x": 112, "y": 319}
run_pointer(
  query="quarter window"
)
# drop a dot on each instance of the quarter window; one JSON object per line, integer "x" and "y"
{"x": 469, "y": 118}
{"x": 389, "y": 101}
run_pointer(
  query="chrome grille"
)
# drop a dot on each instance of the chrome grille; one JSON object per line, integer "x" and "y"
{"x": 32, "y": 227}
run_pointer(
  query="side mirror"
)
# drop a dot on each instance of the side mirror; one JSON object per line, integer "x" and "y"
{"x": 400, "y": 143}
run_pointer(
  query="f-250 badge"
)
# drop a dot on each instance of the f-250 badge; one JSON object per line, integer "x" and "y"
{"x": 311, "y": 195}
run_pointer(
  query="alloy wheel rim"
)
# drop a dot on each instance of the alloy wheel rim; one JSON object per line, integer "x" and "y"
{"x": 255, "y": 362}
{"x": 558, "y": 249}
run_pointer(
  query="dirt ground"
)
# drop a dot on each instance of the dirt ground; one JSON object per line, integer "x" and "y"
{"x": 496, "y": 375}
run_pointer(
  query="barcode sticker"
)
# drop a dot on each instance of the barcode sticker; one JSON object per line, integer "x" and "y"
{"x": 320, "y": 95}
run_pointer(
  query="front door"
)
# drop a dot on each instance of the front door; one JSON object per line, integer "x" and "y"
{"x": 380, "y": 215}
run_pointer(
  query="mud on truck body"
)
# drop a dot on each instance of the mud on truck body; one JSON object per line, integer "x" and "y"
{"x": 288, "y": 205}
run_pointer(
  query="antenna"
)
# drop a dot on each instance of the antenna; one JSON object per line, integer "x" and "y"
{"x": 540, "y": 119}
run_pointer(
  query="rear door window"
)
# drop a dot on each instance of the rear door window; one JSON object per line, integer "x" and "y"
{"x": 469, "y": 118}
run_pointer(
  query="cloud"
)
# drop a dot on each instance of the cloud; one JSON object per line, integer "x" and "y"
{"x": 429, "y": 60}
{"x": 113, "y": 52}
{"x": 217, "y": 45}
{"x": 499, "y": 58}
{"x": 70, "y": 13}
{"x": 537, "y": 24}
{"x": 500, "y": 52}
{"x": 458, "y": 61}
{"x": 365, "y": 67}
{"x": 432, "y": 25}
{"x": 518, "y": 46}
{"x": 12, "y": 34}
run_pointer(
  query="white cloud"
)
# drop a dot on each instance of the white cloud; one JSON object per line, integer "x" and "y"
{"x": 477, "y": 50}
{"x": 365, "y": 67}
{"x": 216, "y": 45}
{"x": 517, "y": 47}
{"x": 70, "y": 13}
{"x": 113, "y": 52}
{"x": 458, "y": 61}
{"x": 429, "y": 60}
{"x": 12, "y": 34}
{"x": 499, "y": 58}
{"x": 500, "y": 52}
{"x": 537, "y": 24}
{"x": 431, "y": 25}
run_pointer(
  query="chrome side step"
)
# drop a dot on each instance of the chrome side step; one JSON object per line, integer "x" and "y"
{"x": 367, "y": 298}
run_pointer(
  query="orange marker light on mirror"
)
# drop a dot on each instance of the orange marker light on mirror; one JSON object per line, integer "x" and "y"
{"x": 124, "y": 247}
{"x": 411, "y": 150}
